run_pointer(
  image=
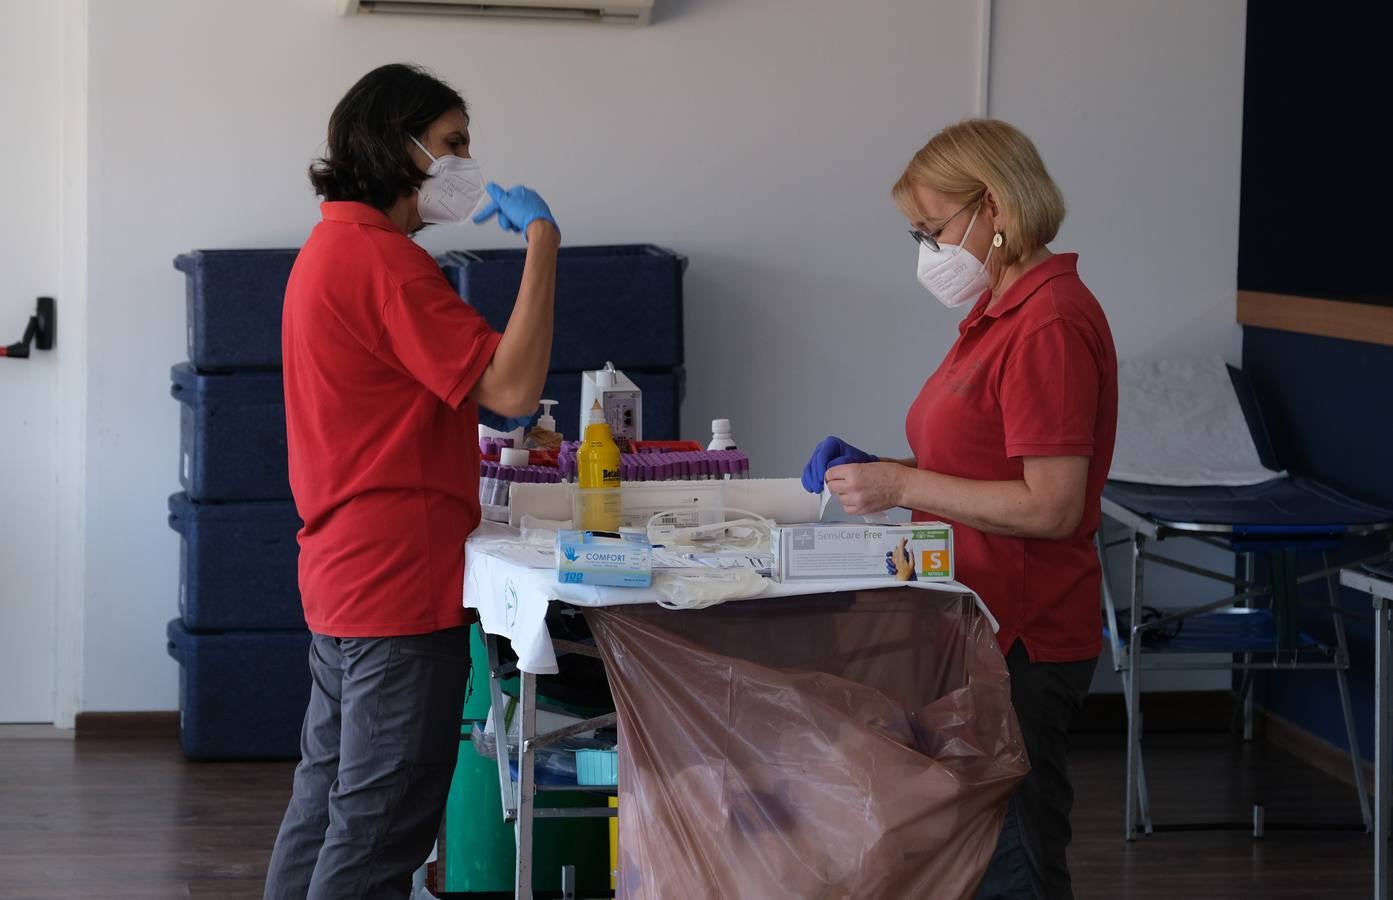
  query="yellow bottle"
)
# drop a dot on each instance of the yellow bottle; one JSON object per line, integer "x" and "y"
{"x": 597, "y": 505}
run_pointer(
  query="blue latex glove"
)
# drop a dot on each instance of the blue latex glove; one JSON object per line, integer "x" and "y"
{"x": 833, "y": 451}
{"x": 516, "y": 208}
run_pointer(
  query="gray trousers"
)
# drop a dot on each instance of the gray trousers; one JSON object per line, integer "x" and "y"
{"x": 1030, "y": 861}
{"x": 378, "y": 750}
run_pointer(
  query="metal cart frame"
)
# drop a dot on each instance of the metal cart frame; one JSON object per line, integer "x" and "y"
{"x": 1130, "y": 658}
{"x": 1380, "y": 589}
{"x": 519, "y": 796}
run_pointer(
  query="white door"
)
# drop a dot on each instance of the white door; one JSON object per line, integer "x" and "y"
{"x": 29, "y": 254}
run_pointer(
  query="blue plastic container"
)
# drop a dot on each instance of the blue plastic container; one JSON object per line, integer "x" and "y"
{"x": 238, "y": 565}
{"x": 242, "y": 694}
{"x": 597, "y": 767}
{"x": 233, "y": 301}
{"x": 663, "y": 393}
{"x": 619, "y": 303}
{"x": 231, "y": 435}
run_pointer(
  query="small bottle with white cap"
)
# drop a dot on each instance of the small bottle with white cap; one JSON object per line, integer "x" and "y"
{"x": 721, "y": 438}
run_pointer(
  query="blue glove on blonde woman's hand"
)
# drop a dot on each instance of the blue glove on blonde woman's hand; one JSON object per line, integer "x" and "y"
{"x": 833, "y": 451}
{"x": 516, "y": 208}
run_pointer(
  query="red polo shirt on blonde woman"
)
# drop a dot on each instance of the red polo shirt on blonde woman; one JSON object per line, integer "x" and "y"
{"x": 1035, "y": 376}
{"x": 380, "y": 357}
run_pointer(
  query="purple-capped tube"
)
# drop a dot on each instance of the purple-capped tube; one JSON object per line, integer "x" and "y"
{"x": 500, "y": 485}
{"x": 489, "y": 487}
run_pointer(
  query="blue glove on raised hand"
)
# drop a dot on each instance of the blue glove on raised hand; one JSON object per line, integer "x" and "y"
{"x": 833, "y": 451}
{"x": 516, "y": 208}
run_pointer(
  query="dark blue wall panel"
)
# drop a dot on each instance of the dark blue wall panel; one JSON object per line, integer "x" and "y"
{"x": 1327, "y": 405}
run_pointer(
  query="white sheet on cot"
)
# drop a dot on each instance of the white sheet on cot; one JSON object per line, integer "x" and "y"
{"x": 1179, "y": 423}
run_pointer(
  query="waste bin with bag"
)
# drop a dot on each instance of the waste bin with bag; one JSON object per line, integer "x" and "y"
{"x": 833, "y": 745}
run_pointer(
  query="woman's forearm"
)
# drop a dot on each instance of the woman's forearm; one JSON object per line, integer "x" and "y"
{"x": 996, "y": 507}
{"x": 513, "y": 381}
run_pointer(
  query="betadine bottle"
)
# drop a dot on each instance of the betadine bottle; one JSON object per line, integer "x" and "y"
{"x": 597, "y": 500}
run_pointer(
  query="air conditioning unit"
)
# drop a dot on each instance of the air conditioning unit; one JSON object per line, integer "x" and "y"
{"x": 603, "y": 12}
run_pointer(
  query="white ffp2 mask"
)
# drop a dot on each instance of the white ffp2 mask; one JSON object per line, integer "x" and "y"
{"x": 951, "y": 273}
{"x": 452, "y": 189}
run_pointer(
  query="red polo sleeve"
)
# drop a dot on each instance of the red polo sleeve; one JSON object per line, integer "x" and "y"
{"x": 1049, "y": 393}
{"x": 439, "y": 339}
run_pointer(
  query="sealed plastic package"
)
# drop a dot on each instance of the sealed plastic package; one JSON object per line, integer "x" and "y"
{"x": 839, "y": 745}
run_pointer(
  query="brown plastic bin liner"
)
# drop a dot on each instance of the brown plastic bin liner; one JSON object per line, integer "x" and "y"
{"x": 837, "y": 745}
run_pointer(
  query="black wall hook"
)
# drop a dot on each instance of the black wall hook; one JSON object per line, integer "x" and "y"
{"x": 41, "y": 331}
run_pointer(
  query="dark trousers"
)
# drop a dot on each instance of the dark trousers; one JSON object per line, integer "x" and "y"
{"x": 1030, "y": 862}
{"x": 378, "y": 750}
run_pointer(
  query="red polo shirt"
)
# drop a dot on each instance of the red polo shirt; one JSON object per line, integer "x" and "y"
{"x": 1036, "y": 376}
{"x": 380, "y": 357}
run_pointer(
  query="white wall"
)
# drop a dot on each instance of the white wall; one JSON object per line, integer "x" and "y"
{"x": 29, "y": 234}
{"x": 1137, "y": 108}
{"x": 758, "y": 137}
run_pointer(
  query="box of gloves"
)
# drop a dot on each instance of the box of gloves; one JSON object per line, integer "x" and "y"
{"x": 833, "y": 551}
{"x": 601, "y": 558}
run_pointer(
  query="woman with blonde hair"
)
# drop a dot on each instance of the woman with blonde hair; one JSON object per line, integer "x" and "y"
{"x": 1012, "y": 439}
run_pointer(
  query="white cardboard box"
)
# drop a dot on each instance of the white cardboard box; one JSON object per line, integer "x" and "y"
{"x": 918, "y": 551}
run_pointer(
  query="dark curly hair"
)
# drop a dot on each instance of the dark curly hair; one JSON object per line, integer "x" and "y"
{"x": 368, "y": 159}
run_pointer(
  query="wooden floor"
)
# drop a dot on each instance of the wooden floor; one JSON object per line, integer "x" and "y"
{"x": 132, "y": 819}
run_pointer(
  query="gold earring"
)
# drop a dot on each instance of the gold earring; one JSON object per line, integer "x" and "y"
{"x": 998, "y": 239}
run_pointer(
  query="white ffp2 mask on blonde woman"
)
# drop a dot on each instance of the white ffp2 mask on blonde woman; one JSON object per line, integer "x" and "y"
{"x": 951, "y": 273}
{"x": 452, "y": 189}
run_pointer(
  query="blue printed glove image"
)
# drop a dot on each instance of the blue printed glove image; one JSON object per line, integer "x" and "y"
{"x": 899, "y": 563}
{"x": 516, "y": 208}
{"x": 833, "y": 451}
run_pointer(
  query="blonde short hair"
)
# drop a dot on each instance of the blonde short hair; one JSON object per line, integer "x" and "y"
{"x": 966, "y": 160}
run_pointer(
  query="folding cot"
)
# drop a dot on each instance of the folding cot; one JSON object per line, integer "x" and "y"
{"x": 1255, "y": 627}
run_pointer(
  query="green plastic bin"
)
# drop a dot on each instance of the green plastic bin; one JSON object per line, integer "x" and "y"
{"x": 478, "y": 852}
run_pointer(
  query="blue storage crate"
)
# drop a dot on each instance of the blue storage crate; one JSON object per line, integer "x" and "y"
{"x": 242, "y": 694}
{"x": 663, "y": 393}
{"x": 231, "y": 435}
{"x": 620, "y": 303}
{"x": 233, "y": 301}
{"x": 238, "y": 565}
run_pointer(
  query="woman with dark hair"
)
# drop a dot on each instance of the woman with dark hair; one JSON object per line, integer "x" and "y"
{"x": 385, "y": 369}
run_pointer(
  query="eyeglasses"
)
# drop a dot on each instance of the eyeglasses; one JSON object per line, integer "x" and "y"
{"x": 930, "y": 238}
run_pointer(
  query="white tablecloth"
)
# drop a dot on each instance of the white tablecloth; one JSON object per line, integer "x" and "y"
{"x": 512, "y": 596}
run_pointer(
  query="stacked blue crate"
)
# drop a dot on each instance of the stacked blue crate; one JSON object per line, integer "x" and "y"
{"x": 617, "y": 303}
{"x": 240, "y": 638}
